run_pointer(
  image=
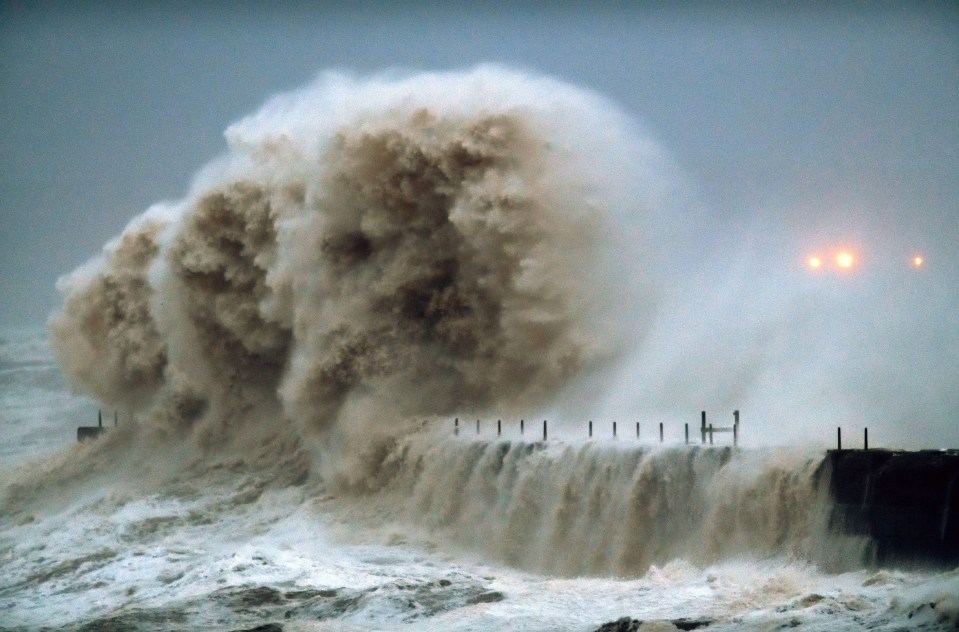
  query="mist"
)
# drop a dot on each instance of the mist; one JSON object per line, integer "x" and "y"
{"x": 801, "y": 352}
{"x": 792, "y": 131}
{"x": 635, "y": 215}
{"x": 376, "y": 250}
{"x": 373, "y": 251}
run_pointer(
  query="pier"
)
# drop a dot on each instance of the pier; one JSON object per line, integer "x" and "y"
{"x": 85, "y": 433}
{"x": 906, "y": 502}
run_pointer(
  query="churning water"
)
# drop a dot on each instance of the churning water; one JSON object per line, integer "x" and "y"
{"x": 286, "y": 347}
{"x": 447, "y": 534}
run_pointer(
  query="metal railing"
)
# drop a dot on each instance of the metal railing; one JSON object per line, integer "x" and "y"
{"x": 706, "y": 431}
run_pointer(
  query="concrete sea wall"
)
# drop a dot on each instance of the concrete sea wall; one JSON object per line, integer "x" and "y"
{"x": 906, "y": 502}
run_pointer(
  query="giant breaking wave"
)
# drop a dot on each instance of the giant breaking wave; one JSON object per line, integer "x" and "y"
{"x": 368, "y": 254}
{"x": 372, "y": 257}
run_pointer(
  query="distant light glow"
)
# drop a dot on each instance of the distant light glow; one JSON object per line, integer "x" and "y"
{"x": 815, "y": 262}
{"x": 917, "y": 261}
{"x": 845, "y": 259}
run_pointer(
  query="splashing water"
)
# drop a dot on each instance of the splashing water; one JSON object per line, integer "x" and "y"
{"x": 370, "y": 256}
{"x": 370, "y": 252}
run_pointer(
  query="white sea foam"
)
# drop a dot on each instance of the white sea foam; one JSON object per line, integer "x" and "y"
{"x": 285, "y": 347}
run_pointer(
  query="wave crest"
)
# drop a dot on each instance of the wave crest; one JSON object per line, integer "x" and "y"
{"x": 369, "y": 252}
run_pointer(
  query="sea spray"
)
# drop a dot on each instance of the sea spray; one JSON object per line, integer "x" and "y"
{"x": 375, "y": 254}
{"x": 370, "y": 256}
{"x": 371, "y": 252}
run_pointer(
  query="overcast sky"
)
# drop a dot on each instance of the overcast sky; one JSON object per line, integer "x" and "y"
{"x": 824, "y": 122}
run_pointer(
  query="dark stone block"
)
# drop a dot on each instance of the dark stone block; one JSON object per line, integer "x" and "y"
{"x": 486, "y": 597}
{"x": 89, "y": 432}
{"x": 269, "y": 627}
{"x": 627, "y": 624}
{"x": 908, "y": 502}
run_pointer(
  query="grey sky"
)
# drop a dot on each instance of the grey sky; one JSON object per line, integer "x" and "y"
{"x": 818, "y": 121}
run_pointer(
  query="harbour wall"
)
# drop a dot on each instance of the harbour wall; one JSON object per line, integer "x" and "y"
{"x": 907, "y": 503}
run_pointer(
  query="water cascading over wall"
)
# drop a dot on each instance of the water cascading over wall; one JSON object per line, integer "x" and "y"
{"x": 371, "y": 252}
{"x": 602, "y": 509}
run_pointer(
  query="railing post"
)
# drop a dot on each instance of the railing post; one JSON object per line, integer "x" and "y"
{"x": 660, "y": 432}
{"x": 477, "y": 426}
{"x": 499, "y": 427}
{"x": 703, "y": 427}
{"x": 544, "y": 430}
{"x": 735, "y": 428}
{"x": 614, "y": 430}
{"x": 710, "y": 434}
{"x": 99, "y": 418}
{"x": 521, "y": 426}
{"x": 456, "y": 426}
{"x": 839, "y": 438}
{"x": 637, "y": 430}
{"x": 687, "y": 434}
{"x": 591, "y": 429}
{"x": 865, "y": 439}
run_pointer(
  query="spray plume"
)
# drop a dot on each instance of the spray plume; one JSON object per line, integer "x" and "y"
{"x": 374, "y": 252}
{"x": 370, "y": 252}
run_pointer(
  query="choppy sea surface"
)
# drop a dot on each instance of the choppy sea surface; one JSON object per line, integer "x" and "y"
{"x": 463, "y": 535}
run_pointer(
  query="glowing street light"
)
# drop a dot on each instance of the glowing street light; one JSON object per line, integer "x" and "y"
{"x": 917, "y": 261}
{"x": 815, "y": 262}
{"x": 845, "y": 259}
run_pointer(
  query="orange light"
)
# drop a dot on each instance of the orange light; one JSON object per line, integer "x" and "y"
{"x": 845, "y": 259}
{"x": 815, "y": 262}
{"x": 917, "y": 261}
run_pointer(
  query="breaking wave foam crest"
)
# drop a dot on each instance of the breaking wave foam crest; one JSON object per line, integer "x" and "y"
{"x": 370, "y": 252}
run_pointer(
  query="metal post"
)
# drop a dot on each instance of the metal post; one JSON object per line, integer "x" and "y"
{"x": 614, "y": 430}
{"x": 477, "y": 426}
{"x": 703, "y": 427}
{"x": 637, "y": 430}
{"x": 100, "y": 418}
{"x": 456, "y": 426}
{"x": 839, "y": 438}
{"x": 499, "y": 427}
{"x": 687, "y": 434}
{"x": 590, "y": 429}
{"x": 710, "y": 434}
{"x": 735, "y": 434}
{"x": 660, "y": 432}
{"x": 544, "y": 430}
{"x": 865, "y": 439}
{"x": 521, "y": 426}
